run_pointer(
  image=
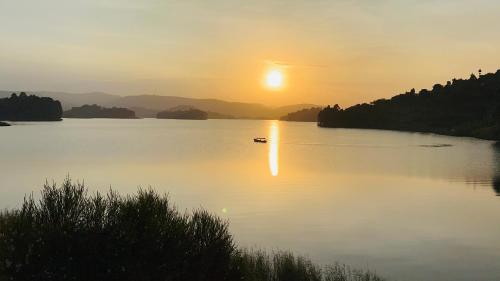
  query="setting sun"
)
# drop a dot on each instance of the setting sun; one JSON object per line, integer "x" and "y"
{"x": 274, "y": 79}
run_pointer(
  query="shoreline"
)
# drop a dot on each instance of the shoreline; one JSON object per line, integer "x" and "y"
{"x": 415, "y": 131}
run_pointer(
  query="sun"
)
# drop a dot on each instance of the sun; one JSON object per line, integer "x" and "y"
{"x": 274, "y": 79}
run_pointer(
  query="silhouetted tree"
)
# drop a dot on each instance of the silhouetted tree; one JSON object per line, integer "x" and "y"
{"x": 29, "y": 108}
{"x": 463, "y": 108}
{"x": 95, "y": 111}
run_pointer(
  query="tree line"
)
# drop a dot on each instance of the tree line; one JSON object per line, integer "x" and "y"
{"x": 25, "y": 107}
{"x": 303, "y": 115}
{"x": 461, "y": 107}
{"x": 96, "y": 111}
{"x": 189, "y": 113}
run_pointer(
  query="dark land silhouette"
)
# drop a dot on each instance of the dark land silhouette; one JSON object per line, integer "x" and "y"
{"x": 496, "y": 185}
{"x": 147, "y": 106}
{"x": 4, "y": 124}
{"x": 303, "y": 115}
{"x": 210, "y": 114}
{"x": 141, "y": 112}
{"x": 25, "y": 107}
{"x": 183, "y": 113}
{"x": 216, "y": 115}
{"x": 460, "y": 108}
{"x": 69, "y": 234}
{"x": 95, "y": 111}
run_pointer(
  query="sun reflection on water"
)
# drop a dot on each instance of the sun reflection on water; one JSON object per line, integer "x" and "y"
{"x": 273, "y": 148}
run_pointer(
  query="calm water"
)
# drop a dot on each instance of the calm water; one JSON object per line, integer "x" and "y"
{"x": 399, "y": 203}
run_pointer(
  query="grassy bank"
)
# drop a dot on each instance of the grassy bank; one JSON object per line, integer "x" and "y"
{"x": 70, "y": 234}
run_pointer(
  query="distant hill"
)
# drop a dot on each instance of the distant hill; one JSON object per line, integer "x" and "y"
{"x": 459, "y": 108}
{"x": 210, "y": 114}
{"x": 149, "y": 105}
{"x": 95, "y": 111}
{"x": 181, "y": 107}
{"x": 183, "y": 113}
{"x": 142, "y": 112}
{"x": 236, "y": 109}
{"x": 216, "y": 115}
{"x": 3, "y": 124}
{"x": 69, "y": 100}
{"x": 303, "y": 115}
{"x": 25, "y": 107}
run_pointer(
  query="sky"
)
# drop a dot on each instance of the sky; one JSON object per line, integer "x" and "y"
{"x": 330, "y": 52}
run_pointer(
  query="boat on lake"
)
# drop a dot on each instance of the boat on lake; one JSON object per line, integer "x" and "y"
{"x": 261, "y": 140}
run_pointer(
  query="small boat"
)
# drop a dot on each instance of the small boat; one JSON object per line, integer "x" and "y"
{"x": 261, "y": 140}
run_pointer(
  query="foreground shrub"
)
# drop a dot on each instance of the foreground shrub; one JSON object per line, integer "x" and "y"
{"x": 71, "y": 235}
{"x": 284, "y": 266}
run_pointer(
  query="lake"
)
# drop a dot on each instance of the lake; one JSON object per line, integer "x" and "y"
{"x": 409, "y": 206}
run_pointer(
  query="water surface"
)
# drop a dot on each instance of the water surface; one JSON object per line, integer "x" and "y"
{"x": 411, "y": 206}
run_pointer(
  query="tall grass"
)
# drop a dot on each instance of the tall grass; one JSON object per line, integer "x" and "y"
{"x": 284, "y": 266}
{"x": 69, "y": 234}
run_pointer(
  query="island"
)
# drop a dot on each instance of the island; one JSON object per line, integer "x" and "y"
{"x": 216, "y": 115}
{"x": 25, "y": 107}
{"x": 469, "y": 107}
{"x": 96, "y": 111}
{"x": 303, "y": 115}
{"x": 3, "y": 124}
{"x": 183, "y": 113}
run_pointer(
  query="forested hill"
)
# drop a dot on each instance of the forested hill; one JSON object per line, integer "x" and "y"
{"x": 25, "y": 107}
{"x": 303, "y": 115}
{"x": 186, "y": 113}
{"x": 460, "y": 108}
{"x": 147, "y": 106}
{"x": 95, "y": 111}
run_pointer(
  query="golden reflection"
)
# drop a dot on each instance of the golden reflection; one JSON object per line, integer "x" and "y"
{"x": 274, "y": 134}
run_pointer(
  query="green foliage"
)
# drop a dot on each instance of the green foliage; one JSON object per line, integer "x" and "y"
{"x": 70, "y": 235}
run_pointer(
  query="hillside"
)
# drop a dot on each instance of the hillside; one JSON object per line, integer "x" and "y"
{"x": 150, "y": 105}
{"x": 303, "y": 115}
{"x": 183, "y": 113}
{"x": 210, "y": 114}
{"x": 69, "y": 100}
{"x": 236, "y": 109}
{"x": 460, "y": 108}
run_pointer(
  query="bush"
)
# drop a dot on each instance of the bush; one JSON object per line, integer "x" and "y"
{"x": 71, "y": 235}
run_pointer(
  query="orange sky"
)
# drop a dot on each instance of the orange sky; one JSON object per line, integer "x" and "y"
{"x": 331, "y": 51}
